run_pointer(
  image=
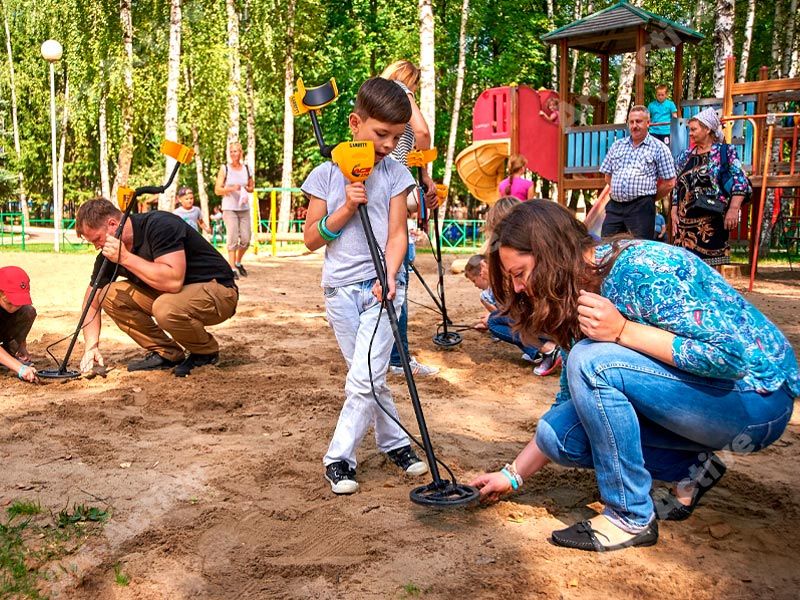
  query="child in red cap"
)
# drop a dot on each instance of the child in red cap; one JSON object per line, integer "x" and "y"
{"x": 16, "y": 319}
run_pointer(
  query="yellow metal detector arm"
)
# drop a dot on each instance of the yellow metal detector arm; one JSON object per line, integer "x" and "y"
{"x": 183, "y": 154}
{"x": 307, "y": 99}
{"x": 124, "y": 197}
{"x": 420, "y": 158}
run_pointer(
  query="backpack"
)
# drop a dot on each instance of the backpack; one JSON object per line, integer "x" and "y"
{"x": 245, "y": 166}
{"x": 726, "y": 177}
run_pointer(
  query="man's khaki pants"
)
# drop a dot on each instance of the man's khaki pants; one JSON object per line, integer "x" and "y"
{"x": 151, "y": 317}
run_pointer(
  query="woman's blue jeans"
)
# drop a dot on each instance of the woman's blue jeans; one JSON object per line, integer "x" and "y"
{"x": 634, "y": 419}
{"x": 500, "y": 327}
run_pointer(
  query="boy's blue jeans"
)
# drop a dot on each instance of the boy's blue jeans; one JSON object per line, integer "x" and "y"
{"x": 352, "y": 313}
{"x": 500, "y": 327}
{"x": 403, "y": 276}
{"x": 634, "y": 419}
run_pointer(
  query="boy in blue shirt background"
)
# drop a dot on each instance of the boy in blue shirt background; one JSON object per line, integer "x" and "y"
{"x": 662, "y": 110}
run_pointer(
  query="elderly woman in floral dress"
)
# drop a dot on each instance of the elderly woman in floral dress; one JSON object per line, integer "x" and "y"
{"x": 703, "y": 213}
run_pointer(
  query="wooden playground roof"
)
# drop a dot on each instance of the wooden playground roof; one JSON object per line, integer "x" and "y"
{"x": 615, "y": 30}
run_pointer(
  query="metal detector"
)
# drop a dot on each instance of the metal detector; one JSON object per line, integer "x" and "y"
{"x": 355, "y": 160}
{"x": 126, "y": 198}
{"x": 443, "y": 338}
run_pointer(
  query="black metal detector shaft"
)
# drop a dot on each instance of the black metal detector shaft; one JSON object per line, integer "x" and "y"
{"x": 62, "y": 372}
{"x": 433, "y": 296}
{"x": 442, "y": 492}
{"x": 443, "y": 338}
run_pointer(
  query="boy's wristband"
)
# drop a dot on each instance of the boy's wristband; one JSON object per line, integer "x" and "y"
{"x": 325, "y": 233}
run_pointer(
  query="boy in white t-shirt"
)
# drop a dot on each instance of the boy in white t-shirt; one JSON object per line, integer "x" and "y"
{"x": 349, "y": 280}
{"x": 189, "y": 212}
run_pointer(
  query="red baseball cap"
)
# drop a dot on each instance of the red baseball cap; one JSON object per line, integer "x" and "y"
{"x": 16, "y": 285}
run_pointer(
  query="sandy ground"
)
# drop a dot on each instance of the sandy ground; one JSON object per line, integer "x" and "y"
{"x": 223, "y": 496}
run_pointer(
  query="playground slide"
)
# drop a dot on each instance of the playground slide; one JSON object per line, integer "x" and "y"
{"x": 594, "y": 220}
{"x": 481, "y": 167}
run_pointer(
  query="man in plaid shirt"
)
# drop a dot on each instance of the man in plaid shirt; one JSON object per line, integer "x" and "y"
{"x": 640, "y": 170}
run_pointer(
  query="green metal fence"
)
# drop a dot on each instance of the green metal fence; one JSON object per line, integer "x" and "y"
{"x": 12, "y": 229}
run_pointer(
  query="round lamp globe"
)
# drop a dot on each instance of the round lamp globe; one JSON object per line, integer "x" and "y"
{"x": 52, "y": 51}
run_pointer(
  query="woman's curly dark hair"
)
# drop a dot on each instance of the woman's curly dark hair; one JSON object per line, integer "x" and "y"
{"x": 558, "y": 243}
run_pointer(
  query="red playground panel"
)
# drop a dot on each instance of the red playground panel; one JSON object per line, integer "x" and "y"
{"x": 495, "y": 117}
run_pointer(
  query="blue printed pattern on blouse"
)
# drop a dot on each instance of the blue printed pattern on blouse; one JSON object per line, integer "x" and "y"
{"x": 718, "y": 333}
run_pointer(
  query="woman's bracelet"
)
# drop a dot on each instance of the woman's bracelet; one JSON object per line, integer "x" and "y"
{"x": 325, "y": 233}
{"x": 21, "y": 371}
{"x": 511, "y": 478}
{"x": 619, "y": 335}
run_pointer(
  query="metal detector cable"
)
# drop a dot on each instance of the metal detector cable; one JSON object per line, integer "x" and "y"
{"x": 372, "y": 382}
{"x": 96, "y": 314}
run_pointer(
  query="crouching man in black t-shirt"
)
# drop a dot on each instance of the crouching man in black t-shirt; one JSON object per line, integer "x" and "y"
{"x": 176, "y": 284}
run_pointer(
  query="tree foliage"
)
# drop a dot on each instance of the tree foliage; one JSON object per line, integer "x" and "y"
{"x": 350, "y": 40}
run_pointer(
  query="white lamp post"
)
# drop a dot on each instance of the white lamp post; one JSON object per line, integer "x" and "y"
{"x": 51, "y": 52}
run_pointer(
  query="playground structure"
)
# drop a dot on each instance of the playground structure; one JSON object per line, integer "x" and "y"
{"x": 767, "y": 143}
{"x": 618, "y": 29}
{"x": 506, "y": 121}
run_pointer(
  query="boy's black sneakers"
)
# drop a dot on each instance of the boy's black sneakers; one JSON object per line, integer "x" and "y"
{"x": 241, "y": 269}
{"x": 151, "y": 362}
{"x": 195, "y": 360}
{"x": 406, "y": 459}
{"x": 341, "y": 477}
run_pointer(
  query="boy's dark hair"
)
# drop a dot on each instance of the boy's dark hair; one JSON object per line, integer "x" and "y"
{"x": 383, "y": 100}
{"x": 473, "y": 266}
{"x": 94, "y": 213}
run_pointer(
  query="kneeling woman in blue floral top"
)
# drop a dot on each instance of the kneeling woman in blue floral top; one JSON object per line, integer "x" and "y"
{"x": 667, "y": 363}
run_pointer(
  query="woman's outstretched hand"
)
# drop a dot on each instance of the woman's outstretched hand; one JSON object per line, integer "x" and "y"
{"x": 491, "y": 486}
{"x": 598, "y": 318}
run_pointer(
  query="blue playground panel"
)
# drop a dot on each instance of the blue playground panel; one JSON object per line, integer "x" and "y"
{"x": 587, "y": 148}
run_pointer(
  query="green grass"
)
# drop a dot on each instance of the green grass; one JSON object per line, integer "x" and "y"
{"x": 411, "y": 590}
{"x": 40, "y": 247}
{"x": 31, "y": 539}
{"x": 120, "y": 578}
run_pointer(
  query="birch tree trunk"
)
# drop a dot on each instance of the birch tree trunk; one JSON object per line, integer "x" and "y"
{"x": 102, "y": 126}
{"x": 744, "y": 55}
{"x": 788, "y": 48}
{"x": 462, "y": 53}
{"x": 126, "y": 146}
{"x": 573, "y": 70}
{"x": 201, "y": 178}
{"x": 288, "y": 122}
{"x": 234, "y": 73}
{"x": 586, "y": 87}
{"x": 723, "y": 42}
{"x": 427, "y": 81}
{"x": 250, "y": 100}
{"x": 624, "y": 89}
{"x": 777, "y": 39}
{"x": 63, "y": 146}
{"x": 23, "y": 202}
{"x": 167, "y": 200}
{"x": 553, "y": 50}
{"x": 198, "y": 157}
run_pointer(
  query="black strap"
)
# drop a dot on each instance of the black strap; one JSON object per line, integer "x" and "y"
{"x": 246, "y": 166}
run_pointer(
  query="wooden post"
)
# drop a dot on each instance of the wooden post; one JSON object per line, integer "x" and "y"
{"x": 273, "y": 220}
{"x": 759, "y": 156}
{"x": 563, "y": 93}
{"x": 677, "y": 78}
{"x": 761, "y": 109}
{"x": 727, "y": 96}
{"x": 602, "y": 116}
{"x": 641, "y": 65}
